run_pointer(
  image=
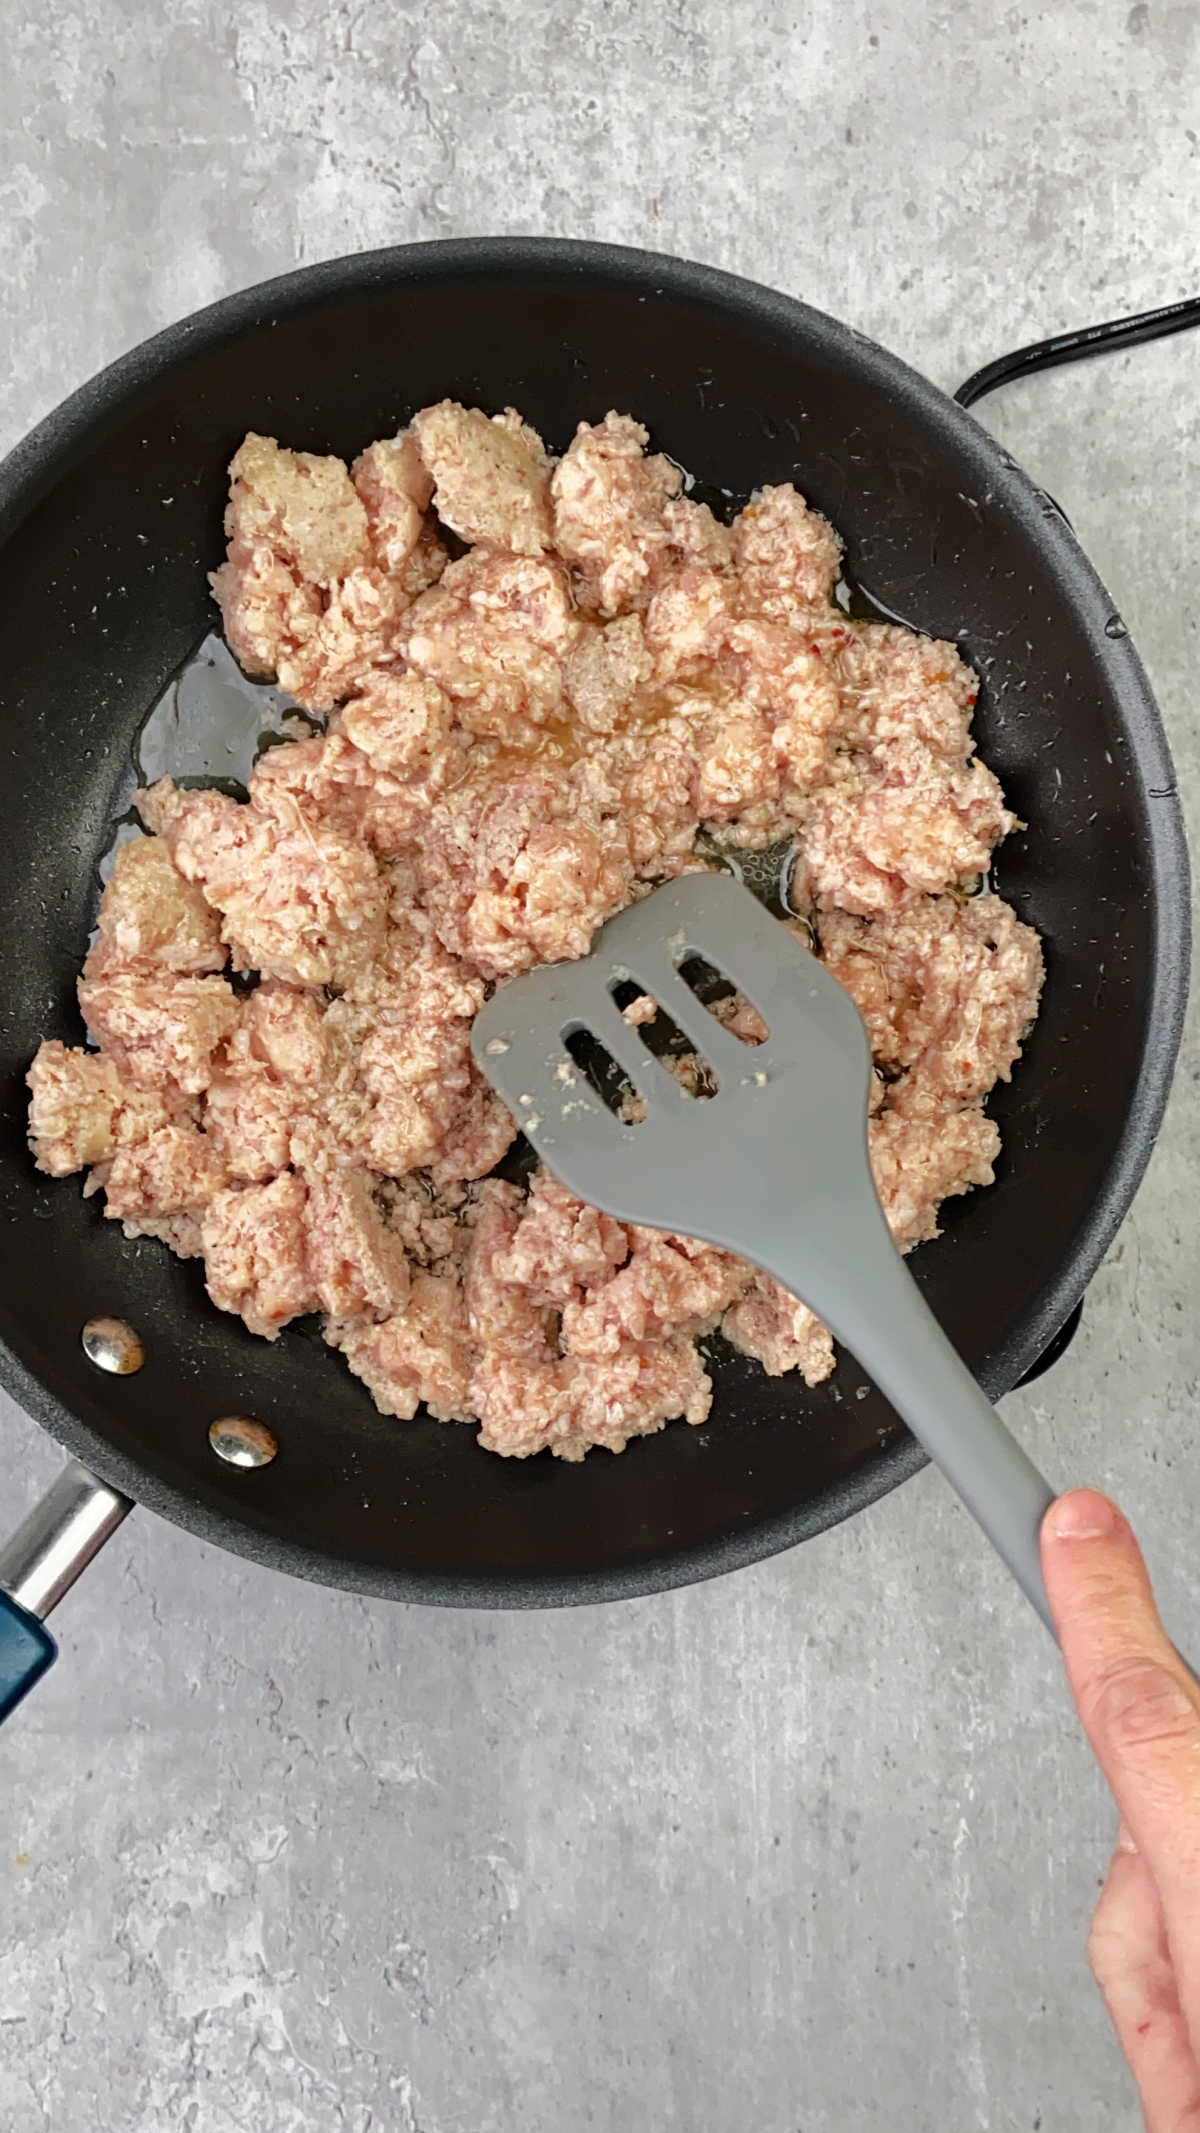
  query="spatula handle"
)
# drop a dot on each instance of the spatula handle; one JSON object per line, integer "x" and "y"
{"x": 931, "y": 1387}
{"x": 882, "y": 1317}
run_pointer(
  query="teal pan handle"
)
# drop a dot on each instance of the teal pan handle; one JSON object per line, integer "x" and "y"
{"x": 26, "y": 1651}
{"x": 40, "y": 1563}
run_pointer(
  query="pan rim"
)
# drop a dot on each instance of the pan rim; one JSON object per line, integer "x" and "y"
{"x": 36, "y": 461}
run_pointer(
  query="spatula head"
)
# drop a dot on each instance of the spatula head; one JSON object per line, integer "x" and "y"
{"x": 778, "y": 1144}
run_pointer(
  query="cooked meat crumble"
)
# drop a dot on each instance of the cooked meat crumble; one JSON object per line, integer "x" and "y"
{"x": 521, "y": 739}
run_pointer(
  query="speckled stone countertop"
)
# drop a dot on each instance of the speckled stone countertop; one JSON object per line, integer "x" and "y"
{"x": 811, "y": 1849}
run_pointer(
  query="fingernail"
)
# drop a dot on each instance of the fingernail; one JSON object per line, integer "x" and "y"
{"x": 1125, "y": 1842}
{"x": 1083, "y": 1515}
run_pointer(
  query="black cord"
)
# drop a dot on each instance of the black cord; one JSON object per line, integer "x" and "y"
{"x": 1070, "y": 347}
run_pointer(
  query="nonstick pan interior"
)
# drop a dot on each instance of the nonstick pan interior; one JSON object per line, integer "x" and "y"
{"x": 110, "y": 516}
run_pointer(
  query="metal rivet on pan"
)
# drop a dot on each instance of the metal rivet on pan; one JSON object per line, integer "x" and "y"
{"x": 241, "y": 1442}
{"x": 112, "y": 1345}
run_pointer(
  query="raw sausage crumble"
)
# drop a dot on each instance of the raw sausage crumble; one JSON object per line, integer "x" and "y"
{"x": 527, "y": 727}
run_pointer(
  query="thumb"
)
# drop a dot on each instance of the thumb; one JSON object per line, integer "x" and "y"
{"x": 1139, "y": 1705}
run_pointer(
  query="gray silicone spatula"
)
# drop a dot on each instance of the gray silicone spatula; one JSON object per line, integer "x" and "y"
{"x": 773, "y": 1165}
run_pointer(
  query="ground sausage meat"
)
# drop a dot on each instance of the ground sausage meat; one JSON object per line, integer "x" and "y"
{"x": 526, "y": 724}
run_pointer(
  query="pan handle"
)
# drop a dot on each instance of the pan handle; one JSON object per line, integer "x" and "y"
{"x": 42, "y": 1561}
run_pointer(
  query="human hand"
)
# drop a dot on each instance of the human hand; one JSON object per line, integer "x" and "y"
{"x": 1140, "y": 1708}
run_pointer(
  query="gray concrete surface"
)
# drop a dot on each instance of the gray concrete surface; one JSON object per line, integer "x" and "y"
{"x": 811, "y": 1850}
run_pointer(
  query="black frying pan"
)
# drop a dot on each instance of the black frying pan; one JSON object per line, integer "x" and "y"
{"x": 110, "y": 515}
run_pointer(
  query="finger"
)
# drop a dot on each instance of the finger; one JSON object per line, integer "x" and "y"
{"x": 1139, "y": 1705}
{"x": 1131, "y": 1963}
